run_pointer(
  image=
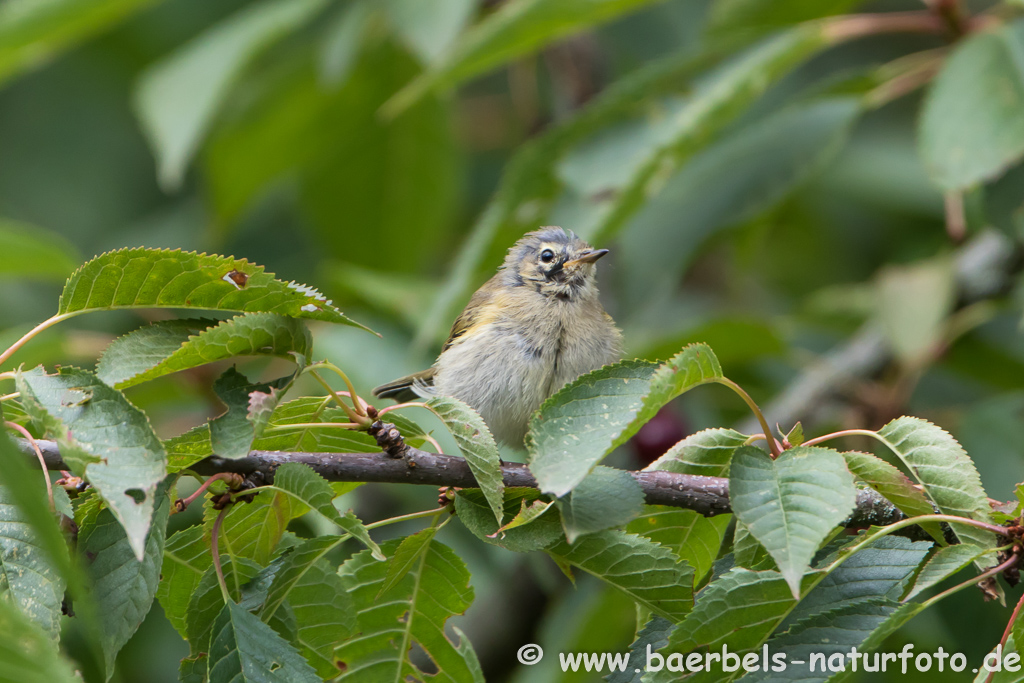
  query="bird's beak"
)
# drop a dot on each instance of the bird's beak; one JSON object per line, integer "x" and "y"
{"x": 586, "y": 257}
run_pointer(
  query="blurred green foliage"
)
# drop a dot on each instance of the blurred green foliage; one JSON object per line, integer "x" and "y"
{"x": 767, "y": 195}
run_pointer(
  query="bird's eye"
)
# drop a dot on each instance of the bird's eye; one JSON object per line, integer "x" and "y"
{"x": 547, "y": 256}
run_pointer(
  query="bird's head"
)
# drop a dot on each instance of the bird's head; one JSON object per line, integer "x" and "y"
{"x": 553, "y": 261}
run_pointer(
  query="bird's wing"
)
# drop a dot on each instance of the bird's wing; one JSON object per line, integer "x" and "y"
{"x": 476, "y": 312}
{"x": 472, "y": 314}
{"x": 401, "y": 389}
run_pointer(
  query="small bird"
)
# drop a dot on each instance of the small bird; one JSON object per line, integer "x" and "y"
{"x": 533, "y": 327}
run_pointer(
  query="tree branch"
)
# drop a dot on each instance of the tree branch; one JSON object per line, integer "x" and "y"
{"x": 708, "y": 496}
{"x": 984, "y": 267}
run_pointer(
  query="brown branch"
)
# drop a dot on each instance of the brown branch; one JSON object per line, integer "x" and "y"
{"x": 707, "y": 495}
{"x": 986, "y": 268}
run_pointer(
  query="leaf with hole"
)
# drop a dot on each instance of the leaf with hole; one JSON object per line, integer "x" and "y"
{"x": 103, "y": 438}
{"x": 164, "y": 278}
{"x": 324, "y": 612}
{"x": 414, "y": 611}
{"x": 243, "y": 648}
{"x": 123, "y": 586}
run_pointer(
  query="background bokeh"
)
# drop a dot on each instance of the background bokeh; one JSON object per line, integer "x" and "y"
{"x": 270, "y": 130}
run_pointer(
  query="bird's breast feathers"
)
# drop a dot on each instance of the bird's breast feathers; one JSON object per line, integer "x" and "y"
{"x": 506, "y": 368}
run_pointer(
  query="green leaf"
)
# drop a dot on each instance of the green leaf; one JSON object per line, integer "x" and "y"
{"x": 724, "y": 183}
{"x": 414, "y": 612}
{"x": 651, "y": 638}
{"x": 343, "y": 40}
{"x": 970, "y": 128}
{"x": 311, "y": 490}
{"x": 767, "y": 15}
{"x": 477, "y": 446}
{"x": 408, "y": 555}
{"x": 824, "y": 635}
{"x": 706, "y": 453}
{"x": 649, "y": 574}
{"x": 207, "y": 601}
{"x": 796, "y": 435}
{"x": 882, "y": 570}
{"x": 429, "y": 27}
{"x": 30, "y": 251}
{"x": 252, "y": 530}
{"x": 244, "y": 649}
{"x": 517, "y": 28}
{"x": 740, "y": 608}
{"x": 945, "y": 563}
{"x": 28, "y": 654}
{"x": 748, "y": 551}
{"x": 324, "y": 611}
{"x": 913, "y": 303}
{"x": 186, "y": 559}
{"x": 791, "y": 504}
{"x": 24, "y": 490}
{"x": 28, "y": 578}
{"x": 716, "y": 101}
{"x": 162, "y": 278}
{"x": 326, "y": 143}
{"x": 33, "y": 33}
{"x": 894, "y": 486}
{"x": 192, "y": 669}
{"x": 249, "y": 407}
{"x": 591, "y": 416}
{"x": 474, "y": 511}
{"x": 103, "y": 438}
{"x": 192, "y": 446}
{"x": 940, "y": 464}
{"x": 690, "y": 535}
{"x": 176, "y": 345}
{"x": 124, "y": 586}
{"x": 528, "y": 512}
{"x": 177, "y": 99}
{"x": 606, "y": 498}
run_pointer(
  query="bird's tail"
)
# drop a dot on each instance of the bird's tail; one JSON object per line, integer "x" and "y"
{"x": 408, "y": 388}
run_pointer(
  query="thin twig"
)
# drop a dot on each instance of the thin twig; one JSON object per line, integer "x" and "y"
{"x": 233, "y": 479}
{"x": 215, "y": 549}
{"x": 1007, "y": 632}
{"x": 39, "y": 455}
{"x": 773, "y": 445}
{"x": 994, "y": 571}
{"x": 49, "y": 322}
